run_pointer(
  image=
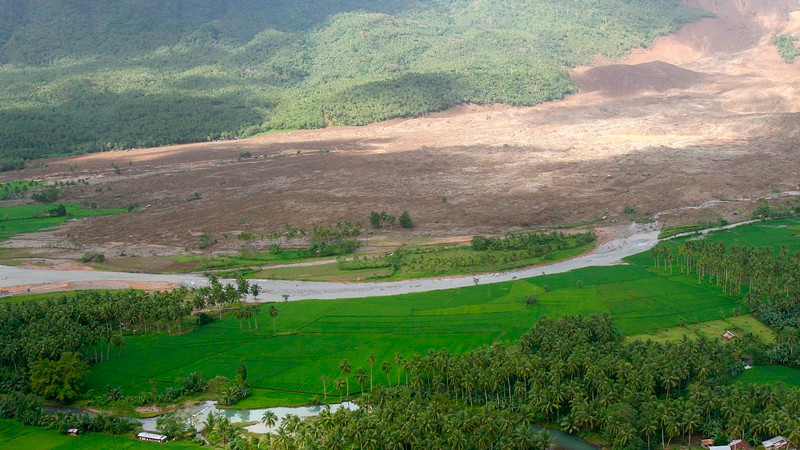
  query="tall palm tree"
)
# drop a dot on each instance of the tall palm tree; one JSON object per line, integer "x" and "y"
{"x": 269, "y": 418}
{"x": 386, "y": 368}
{"x": 346, "y": 368}
{"x": 361, "y": 376}
{"x": 273, "y": 313}
{"x": 371, "y": 360}
{"x": 338, "y": 384}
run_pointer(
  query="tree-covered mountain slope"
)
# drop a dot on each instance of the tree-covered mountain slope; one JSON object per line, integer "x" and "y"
{"x": 89, "y": 75}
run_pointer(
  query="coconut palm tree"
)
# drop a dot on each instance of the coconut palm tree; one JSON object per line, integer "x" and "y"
{"x": 273, "y": 313}
{"x": 386, "y": 368}
{"x": 338, "y": 384}
{"x": 361, "y": 377}
{"x": 346, "y": 368}
{"x": 371, "y": 360}
{"x": 269, "y": 418}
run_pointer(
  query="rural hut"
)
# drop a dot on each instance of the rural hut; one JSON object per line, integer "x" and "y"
{"x": 729, "y": 335}
{"x": 776, "y": 443}
{"x": 151, "y": 437}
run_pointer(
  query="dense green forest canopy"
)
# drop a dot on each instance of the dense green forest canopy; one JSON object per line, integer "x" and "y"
{"x": 83, "y": 75}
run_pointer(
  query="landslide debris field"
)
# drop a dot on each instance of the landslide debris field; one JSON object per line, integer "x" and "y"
{"x": 711, "y": 112}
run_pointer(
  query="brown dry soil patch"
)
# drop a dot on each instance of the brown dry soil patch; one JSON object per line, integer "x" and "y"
{"x": 711, "y": 112}
{"x": 29, "y": 289}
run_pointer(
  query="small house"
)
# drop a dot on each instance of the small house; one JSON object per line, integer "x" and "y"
{"x": 707, "y": 443}
{"x": 151, "y": 437}
{"x": 739, "y": 444}
{"x": 778, "y": 442}
{"x": 72, "y": 431}
{"x": 729, "y": 335}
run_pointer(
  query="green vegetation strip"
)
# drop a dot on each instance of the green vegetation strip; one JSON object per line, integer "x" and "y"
{"x": 15, "y": 435}
{"x": 16, "y": 220}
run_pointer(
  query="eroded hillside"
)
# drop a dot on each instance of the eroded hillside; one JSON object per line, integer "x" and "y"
{"x": 711, "y": 112}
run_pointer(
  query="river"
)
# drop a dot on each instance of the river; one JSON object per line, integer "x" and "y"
{"x": 641, "y": 238}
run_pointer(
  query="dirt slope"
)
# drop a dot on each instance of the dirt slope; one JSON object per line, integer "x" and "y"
{"x": 710, "y": 112}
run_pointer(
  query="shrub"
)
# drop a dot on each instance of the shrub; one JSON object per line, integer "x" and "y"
{"x": 92, "y": 257}
{"x": 405, "y": 220}
{"x": 206, "y": 240}
{"x": 48, "y": 195}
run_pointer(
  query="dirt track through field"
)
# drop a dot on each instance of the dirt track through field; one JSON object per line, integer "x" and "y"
{"x": 711, "y": 112}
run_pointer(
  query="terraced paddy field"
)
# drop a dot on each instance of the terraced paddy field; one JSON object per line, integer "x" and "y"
{"x": 14, "y": 435}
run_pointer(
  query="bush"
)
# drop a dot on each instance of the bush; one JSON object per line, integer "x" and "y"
{"x": 787, "y": 47}
{"x": 206, "y": 240}
{"x": 58, "y": 211}
{"x": 48, "y": 195}
{"x": 405, "y": 220}
{"x": 92, "y": 257}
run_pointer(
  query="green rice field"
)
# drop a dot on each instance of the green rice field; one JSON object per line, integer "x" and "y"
{"x": 14, "y": 435}
{"x": 713, "y": 330}
{"x": 314, "y": 336}
{"x": 760, "y": 375}
{"x": 16, "y": 220}
{"x": 772, "y": 233}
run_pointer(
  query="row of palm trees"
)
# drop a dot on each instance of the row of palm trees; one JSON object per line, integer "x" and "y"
{"x": 770, "y": 278}
{"x": 94, "y": 322}
{"x": 762, "y": 270}
{"x": 574, "y": 373}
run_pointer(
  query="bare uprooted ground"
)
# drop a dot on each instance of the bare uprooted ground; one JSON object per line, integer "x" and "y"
{"x": 711, "y": 112}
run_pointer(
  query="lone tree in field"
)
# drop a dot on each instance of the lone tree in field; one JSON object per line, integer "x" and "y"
{"x": 273, "y": 312}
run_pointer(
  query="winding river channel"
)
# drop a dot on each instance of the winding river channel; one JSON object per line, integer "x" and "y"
{"x": 641, "y": 238}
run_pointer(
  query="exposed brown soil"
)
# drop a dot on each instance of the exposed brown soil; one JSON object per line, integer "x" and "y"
{"x": 43, "y": 288}
{"x": 711, "y": 112}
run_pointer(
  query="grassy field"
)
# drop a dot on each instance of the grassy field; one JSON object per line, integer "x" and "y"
{"x": 23, "y": 219}
{"x": 770, "y": 375}
{"x": 323, "y": 272}
{"x": 420, "y": 263}
{"x": 313, "y": 336}
{"x": 14, "y": 435}
{"x": 713, "y": 329}
{"x": 773, "y": 233}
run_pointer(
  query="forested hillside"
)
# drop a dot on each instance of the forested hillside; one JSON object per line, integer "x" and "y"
{"x": 87, "y": 75}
